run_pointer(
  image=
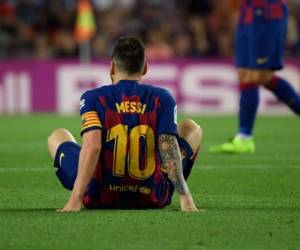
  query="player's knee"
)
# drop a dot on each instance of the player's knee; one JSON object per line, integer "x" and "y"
{"x": 243, "y": 75}
{"x": 57, "y": 137}
{"x": 52, "y": 139}
{"x": 56, "y": 134}
{"x": 189, "y": 125}
{"x": 191, "y": 132}
{"x": 261, "y": 77}
{"x": 197, "y": 132}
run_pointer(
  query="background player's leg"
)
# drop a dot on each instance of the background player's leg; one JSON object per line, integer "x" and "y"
{"x": 284, "y": 93}
{"x": 280, "y": 87}
{"x": 249, "y": 94}
{"x": 249, "y": 101}
{"x": 190, "y": 134}
{"x": 250, "y": 80}
{"x": 57, "y": 137}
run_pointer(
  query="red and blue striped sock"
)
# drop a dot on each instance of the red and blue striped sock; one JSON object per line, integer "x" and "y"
{"x": 249, "y": 101}
{"x": 285, "y": 93}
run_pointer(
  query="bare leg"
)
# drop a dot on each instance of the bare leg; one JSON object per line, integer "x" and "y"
{"x": 57, "y": 137}
{"x": 191, "y": 132}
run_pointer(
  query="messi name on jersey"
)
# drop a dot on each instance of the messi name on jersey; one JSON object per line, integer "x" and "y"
{"x": 131, "y": 107}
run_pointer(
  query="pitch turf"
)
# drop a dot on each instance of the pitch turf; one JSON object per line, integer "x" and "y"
{"x": 252, "y": 202}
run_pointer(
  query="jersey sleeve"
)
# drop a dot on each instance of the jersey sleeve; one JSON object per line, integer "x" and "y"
{"x": 167, "y": 119}
{"x": 90, "y": 119}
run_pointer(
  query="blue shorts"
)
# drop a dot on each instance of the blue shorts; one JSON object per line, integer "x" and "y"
{"x": 67, "y": 158}
{"x": 261, "y": 45}
{"x": 66, "y": 161}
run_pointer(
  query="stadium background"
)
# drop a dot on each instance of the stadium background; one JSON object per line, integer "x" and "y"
{"x": 252, "y": 201}
{"x": 189, "y": 44}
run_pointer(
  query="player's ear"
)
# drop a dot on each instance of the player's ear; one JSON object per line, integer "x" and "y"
{"x": 112, "y": 71}
{"x": 112, "y": 68}
{"x": 145, "y": 68}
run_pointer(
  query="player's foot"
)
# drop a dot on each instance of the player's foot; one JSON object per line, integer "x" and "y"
{"x": 237, "y": 145}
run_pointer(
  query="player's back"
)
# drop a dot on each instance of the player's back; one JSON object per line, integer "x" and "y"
{"x": 131, "y": 116}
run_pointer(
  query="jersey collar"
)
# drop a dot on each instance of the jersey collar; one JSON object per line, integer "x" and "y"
{"x": 127, "y": 81}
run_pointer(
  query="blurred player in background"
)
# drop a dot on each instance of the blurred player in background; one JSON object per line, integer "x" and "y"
{"x": 260, "y": 44}
{"x": 131, "y": 145}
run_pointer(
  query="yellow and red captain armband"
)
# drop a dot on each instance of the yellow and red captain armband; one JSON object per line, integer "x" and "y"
{"x": 90, "y": 119}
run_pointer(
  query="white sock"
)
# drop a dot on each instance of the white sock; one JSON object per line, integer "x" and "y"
{"x": 243, "y": 136}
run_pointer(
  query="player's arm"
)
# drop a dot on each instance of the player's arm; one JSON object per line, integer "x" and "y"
{"x": 90, "y": 150}
{"x": 172, "y": 164}
{"x": 89, "y": 155}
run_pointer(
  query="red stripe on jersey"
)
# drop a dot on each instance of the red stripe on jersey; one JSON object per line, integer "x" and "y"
{"x": 150, "y": 118}
{"x": 275, "y": 11}
{"x": 248, "y": 16}
{"x": 259, "y": 3}
{"x": 134, "y": 98}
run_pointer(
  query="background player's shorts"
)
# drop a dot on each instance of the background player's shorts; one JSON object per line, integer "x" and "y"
{"x": 67, "y": 158}
{"x": 261, "y": 44}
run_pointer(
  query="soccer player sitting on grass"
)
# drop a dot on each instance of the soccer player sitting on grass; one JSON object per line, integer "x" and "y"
{"x": 260, "y": 44}
{"x": 133, "y": 154}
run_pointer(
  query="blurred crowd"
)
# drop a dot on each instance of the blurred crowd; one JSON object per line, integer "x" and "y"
{"x": 44, "y": 29}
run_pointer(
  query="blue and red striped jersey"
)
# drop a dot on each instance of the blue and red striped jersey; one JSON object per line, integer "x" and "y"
{"x": 267, "y": 9}
{"x": 131, "y": 116}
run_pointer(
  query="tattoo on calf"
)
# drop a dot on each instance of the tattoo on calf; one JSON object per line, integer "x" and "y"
{"x": 171, "y": 160}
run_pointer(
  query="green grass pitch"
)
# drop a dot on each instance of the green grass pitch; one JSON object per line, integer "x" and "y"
{"x": 252, "y": 202}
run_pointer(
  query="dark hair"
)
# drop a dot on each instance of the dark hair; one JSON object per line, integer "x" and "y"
{"x": 129, "y": 54}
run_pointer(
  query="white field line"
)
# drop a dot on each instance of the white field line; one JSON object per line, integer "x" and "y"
{"x": 224, "y": 167}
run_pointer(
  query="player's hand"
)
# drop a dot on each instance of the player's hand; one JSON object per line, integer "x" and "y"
{"x": 187, "y": 203}
{"x": 73, "y": 205}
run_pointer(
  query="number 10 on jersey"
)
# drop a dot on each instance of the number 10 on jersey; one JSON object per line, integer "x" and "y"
{"x": 123, "y": 140}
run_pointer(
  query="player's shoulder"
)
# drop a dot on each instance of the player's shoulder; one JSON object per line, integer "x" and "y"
{"x": 158, "y": 91}
{"x": 92, "y": 93}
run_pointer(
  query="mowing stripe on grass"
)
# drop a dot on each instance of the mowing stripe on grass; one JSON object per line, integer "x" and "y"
{"x": 25, "y": 169}
{"x": 13, "y": 145}
{"x": 207, "y": 167}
